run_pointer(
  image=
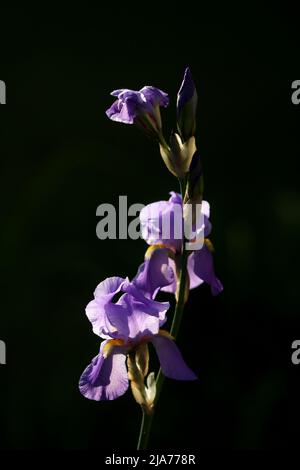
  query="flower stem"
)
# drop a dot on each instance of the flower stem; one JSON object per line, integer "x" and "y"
{"x": 179, "y": 308}
{"x": 144, "y": 431}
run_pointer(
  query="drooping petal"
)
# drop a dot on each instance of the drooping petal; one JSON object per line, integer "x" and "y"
{"x": 201, "y": 266}
{"x": 154, "y": 273}
{"x": 155, "y": 96}
{"x": 105, "y": 378}
{"x": 171, "y": 288}
{"x": 171, "y": 361}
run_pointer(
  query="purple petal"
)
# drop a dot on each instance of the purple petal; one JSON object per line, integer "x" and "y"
{"x": 201, "y": 266}
{"x": 122, "y": 112}
{"x": 120, "y": 92}
{"x": 105, "y": 378}
{"x": 162, "y": 224}
{"x": 171, "y": 288}
{"x": 175, "y": 198}
{"x": 131, "y": 103}
{"x": 171, "y": 361}
{"x": 106, "y": 290}
{"x": 154, "y": 273}
{"x": 155, "y": 96}
{"x": 95, "y": 310}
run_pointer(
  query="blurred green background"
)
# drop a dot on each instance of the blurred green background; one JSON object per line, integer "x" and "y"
{"x": 61, "y": 157}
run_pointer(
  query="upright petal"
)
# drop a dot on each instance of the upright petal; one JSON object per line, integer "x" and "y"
{"x": 161, "y": 223}
{"x": 187, "y": 90}
{"x": 134, "y": 316}
{"x": 105, "y": 378}
{"x": 103, "y": 294}
{"x": 171, "y": 361}
{"x": 201, "y": 266}
{"x": 171, "y": 288}
{"x": 155, "y": 96}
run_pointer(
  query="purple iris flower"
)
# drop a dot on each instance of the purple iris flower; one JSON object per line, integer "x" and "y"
{"x": 131, "y": 106}
{"x": 133, "y": 319}
{"x": 200, "y": 262}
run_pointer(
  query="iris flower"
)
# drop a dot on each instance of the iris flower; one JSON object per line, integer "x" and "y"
{"x": 128, "y": 324}
{"x": 155, "y": 216}
{"x": 141, "y": 108}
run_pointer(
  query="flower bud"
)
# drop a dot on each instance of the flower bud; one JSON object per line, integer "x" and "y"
{"x": 186, "y": 107}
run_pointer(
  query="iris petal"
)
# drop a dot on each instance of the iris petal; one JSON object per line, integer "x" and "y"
{"x": 105, "y": 378}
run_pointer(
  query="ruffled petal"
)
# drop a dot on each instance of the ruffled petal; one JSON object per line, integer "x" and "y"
{"x": 155, "y": 96}
{"x": 201, "y": 266}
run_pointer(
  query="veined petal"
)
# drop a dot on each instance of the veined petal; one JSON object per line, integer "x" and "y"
{"x": 170, "y": 358}
{"x": 105, "y": 378}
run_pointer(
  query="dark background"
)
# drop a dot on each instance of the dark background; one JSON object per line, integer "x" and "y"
{"x": 61, "y": 157}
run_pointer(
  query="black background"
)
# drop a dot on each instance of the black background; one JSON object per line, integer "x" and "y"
{"x": 61, "y": 157}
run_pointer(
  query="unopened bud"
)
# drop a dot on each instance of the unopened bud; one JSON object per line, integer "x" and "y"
{"x": 186, "y": 106}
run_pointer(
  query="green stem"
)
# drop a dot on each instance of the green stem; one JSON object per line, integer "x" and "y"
{"x": 144, "y": 431}
{"x": 179, "y": 308}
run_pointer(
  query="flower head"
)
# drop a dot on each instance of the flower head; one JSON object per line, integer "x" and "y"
{"x": 156, "y": 217}
{"x": 126, "y": 325}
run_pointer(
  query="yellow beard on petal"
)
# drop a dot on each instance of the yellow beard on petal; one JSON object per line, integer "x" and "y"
{"x": 109, "y": 346}
{"x": 166, "y": 334}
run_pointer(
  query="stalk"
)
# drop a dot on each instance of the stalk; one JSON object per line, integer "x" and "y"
{"x": 178, "y": 314}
